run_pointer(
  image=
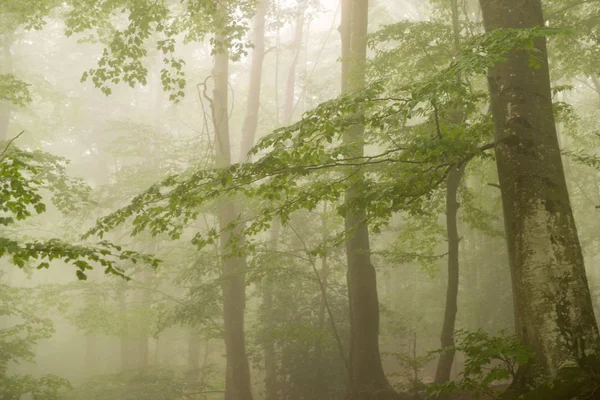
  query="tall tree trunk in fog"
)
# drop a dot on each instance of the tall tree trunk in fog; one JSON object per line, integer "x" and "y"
{"x": 237, "y": 381}
{"x": 444, "y": 366}
{"x": 366, "y": 375}
{"x": 142, "y": 337}
{"x": 6, "y": 68}
{"x": 267, "y": 288}
{"x": 124, "y": 340}
{"x": 320, "y": 384}
{"x": 194, "y": 351}
{"x": 248, "y": 138}
{"x": 446, "y": 360}
{"x": 290, "y": 84}
{"x": 256, "y": 67}
{"x": 553, "y": 308}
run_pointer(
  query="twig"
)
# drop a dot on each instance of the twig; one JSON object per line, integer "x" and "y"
{"x": 9, "y": 143}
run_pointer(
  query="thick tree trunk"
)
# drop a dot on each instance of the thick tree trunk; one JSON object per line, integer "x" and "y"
{"x": 366, "y": 376}
{"x": 237, "y": 382}
{"x": 444, "y": 366}
{"x": 553, "y": 308}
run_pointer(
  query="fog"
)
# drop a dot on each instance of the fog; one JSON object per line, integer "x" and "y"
{"x": 300, "y": 200}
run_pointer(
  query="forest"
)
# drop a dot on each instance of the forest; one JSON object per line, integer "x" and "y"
{"x": 299, "y": 199}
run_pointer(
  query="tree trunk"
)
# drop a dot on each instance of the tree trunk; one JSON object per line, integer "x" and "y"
{"x": 320, "y": 384}
{"x": 553, "y": 308}
{"x": 253, "y": 104}
{"x": 270, "y": 361}
{"x": 248, "y": 138}
{"x": 444, "y": 366}
{"x": 237, "y": 382}
{"x": 446, "y": 360}
{"x": 366, "y": 376}
{"x": 290, "y": 85}
{"x": 124, "y": 339}
{"x": 194, "y": 351}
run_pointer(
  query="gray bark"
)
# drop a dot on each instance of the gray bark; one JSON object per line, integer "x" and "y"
{"x": 553, "y": 308}
{"x": 237, "y": 381}
{"x": 367, "y": 379}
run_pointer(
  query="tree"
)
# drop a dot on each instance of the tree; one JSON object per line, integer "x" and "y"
{"x": 237, "y": 383}
{"x": 366, "y": 377}
{"x": 453, "y": 180}
{"x": 553, "y": 308}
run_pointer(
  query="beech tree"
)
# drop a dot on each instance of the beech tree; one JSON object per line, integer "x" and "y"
{"x": 553, "y": 308}
{"x": 367, "y": 379}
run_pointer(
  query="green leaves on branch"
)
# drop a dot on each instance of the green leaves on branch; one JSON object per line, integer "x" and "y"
{"x": 14, "y": 90}
{"x": 155, "y": 24}
{"x": 24, "y": 177}
{"x": 411, "y": 143}
{"x": 488, "y": 359}
{"x": 104, "y": 254}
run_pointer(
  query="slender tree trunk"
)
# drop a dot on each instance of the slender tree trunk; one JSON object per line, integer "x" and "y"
{"x": 553, "y": 308}
{"x": 289, "y": 103}
{"x": 248, "y": 138}
{"x": 320, "y": 384}
{"x": 91, "y": 357}
{"x": 253, "y": 104}
{"x": 367, "y": 379}
{"x": 141, "y": 339}
{"x": 444, "y": 366}
{"x": 124, "y": 339}
{"x": 270, "y": 359}
{"x": 446, "y": 360}
{"x": 194, "y": 350}
{"x": 237, "y": 382}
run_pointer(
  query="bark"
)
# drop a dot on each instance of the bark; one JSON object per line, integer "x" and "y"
{"x": 194, "y": 351}
{"x": 445, "y": 362}
{"x": 290, "y": 85}
{"x": 124, "y": 340}
{"x": 248, "y": 138}
{"x": 320, "y": 384}
{"x": 90, "y": 359}
{"x": 553, "y": 308}
{"x": 270, "y": 363}
{"x": 253, "y": 104}
{"x": 141, "y": 339}
{"x": 237, "y": 382}
{"x": 366, "y": 376}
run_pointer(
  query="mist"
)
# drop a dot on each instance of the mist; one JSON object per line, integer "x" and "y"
{"x": 299, "y": 200}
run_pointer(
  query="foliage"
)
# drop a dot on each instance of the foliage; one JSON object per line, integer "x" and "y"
{"x": 14, "y": 90}
{"x": 17, "y": 343}
{"x": 153, "y": 384}
{"x": 411, "y": 366}
{"x": 159, "y": 23}
{"x": 304, "y": 164}
{"x": 25, "y": 175}
{"x": 488, "y": 359}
